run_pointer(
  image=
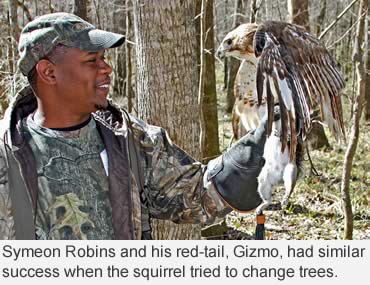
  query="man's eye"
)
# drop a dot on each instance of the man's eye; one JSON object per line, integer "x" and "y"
{"x": 92, "y": 60}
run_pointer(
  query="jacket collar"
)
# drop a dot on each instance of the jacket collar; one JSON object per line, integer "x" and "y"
{"x": 25, "y": 103}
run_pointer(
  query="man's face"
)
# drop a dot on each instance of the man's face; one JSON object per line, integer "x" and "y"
{"x": 82, "y": 80}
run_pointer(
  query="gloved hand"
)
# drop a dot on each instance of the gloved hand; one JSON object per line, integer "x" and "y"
{"x": 235, "y": 172}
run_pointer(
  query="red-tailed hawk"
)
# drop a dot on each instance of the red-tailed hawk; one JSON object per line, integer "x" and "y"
{"x": 246, "y": 113}
{"x": 294, "y": 70}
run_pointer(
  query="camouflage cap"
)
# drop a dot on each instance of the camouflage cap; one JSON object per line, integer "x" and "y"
{"x": 40, "y": 36}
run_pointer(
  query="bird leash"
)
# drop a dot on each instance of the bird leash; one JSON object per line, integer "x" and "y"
{"x": 260, "y": 227}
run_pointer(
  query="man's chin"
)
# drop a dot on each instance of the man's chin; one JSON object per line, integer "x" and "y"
{"x": 101, "y": 107}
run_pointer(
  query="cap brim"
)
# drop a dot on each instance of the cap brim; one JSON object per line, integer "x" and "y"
{"x": 100, "y": 39}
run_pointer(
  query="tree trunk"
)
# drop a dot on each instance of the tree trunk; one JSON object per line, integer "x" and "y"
{"x": 13, "y": 34}
{"x": 211, "y": 141}
{"x": 200, "y": 52}
{"x": 80, "y": 9}
{"x": 167, "y": 82}
{"x": 360, "y": 61}
{"x": 129, "y": 58}
{"x": 233, "y": 64}
{"x": 26, "y": 11}
{"x": 254, "y": 10}
{"x": 232, "y": 69}
{"x": 367, "y": 97}
{"x": 298, "y": 13}
{"x": 226, "y": 60}
{"x": 320, "y": 18}
{"x": 119, "y": 76}
{"x": 3, "y": 67}
{"x": 3, "y": 98}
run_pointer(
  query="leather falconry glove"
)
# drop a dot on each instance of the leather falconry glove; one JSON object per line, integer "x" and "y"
{"x": 235, "y": 172}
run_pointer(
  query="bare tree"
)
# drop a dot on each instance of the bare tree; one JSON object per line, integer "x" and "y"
{"x": 360, "y": 59}
{"x": 232, "y": 63}
{"x": 26, "y": 11}
{"x": 367, "y": 97}
{"x": 80, "y": 9}
{"x": 298, "y": 11}
{"x": 254, "y": 7}
{"x": 209, "y": 104}
{"x": 3, "y": 46}
{"x": 319, "y": 23}
{"x": 167, "y": 82}
{"x": 119, "y": 76}
{"x": 129, "y": 58}
{"x": 13, "y": 34}
{"x": 3, "y": 97}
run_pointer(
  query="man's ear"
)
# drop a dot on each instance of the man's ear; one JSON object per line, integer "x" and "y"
{"x": 46, "y": 71}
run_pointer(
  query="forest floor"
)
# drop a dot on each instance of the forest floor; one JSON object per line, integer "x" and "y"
{"x": 314, "y": 210}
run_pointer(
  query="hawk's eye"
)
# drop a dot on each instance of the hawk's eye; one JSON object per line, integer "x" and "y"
{"x": 229, "y": 42}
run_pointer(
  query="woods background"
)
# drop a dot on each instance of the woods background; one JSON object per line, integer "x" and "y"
{"x": 166, "y": 74}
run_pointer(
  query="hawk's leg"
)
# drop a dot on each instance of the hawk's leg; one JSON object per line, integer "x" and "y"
{"x": 264, "y": 189}
{"x": 290, "y": 179}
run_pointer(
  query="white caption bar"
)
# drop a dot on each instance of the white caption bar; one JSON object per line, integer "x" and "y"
{"x": 166, "y": 262}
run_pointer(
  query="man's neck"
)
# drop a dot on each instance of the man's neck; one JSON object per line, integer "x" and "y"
{"x": 58, "y": 121}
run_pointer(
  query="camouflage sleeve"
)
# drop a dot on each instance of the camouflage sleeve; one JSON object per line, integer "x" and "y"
{"x": 6, "y": 219}
{"x": 175, "y": 184}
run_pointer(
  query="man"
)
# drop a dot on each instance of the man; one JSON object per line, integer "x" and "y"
{"x": 74, "y": 167}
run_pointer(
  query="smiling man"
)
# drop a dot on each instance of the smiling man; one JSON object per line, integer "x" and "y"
{"x": 88, "y": 80}
{"x": 74, "y": 167}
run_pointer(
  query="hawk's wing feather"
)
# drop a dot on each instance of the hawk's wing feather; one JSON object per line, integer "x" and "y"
{"x": 298, "y": 72}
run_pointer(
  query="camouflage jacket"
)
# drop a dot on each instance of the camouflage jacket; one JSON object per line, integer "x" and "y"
{"x": 175, "y": 186}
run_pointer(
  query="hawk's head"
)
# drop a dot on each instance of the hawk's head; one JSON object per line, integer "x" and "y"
{"x": 239, "y": 42}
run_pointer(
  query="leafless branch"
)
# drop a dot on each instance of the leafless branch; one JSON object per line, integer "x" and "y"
{"x": 337, "y": 19}
{"x": 360, "y": 61}
{"x": 25, "y": 9}
{"x": 343, "y": 36}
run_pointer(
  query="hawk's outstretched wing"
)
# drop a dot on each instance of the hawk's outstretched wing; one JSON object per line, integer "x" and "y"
{"x": 296, "y": 71}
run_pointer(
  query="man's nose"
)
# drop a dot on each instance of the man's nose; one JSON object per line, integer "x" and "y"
{"x": 105, "y": 67}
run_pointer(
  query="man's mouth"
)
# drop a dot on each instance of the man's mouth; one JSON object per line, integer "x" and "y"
{"x": 104, "y": 86}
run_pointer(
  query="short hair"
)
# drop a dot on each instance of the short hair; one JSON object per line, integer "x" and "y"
{"x": 55, "y": 56}
{"x": 32, "y": 78}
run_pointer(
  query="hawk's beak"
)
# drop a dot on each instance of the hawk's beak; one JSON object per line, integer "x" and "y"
{"x": 220, "y": 53}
